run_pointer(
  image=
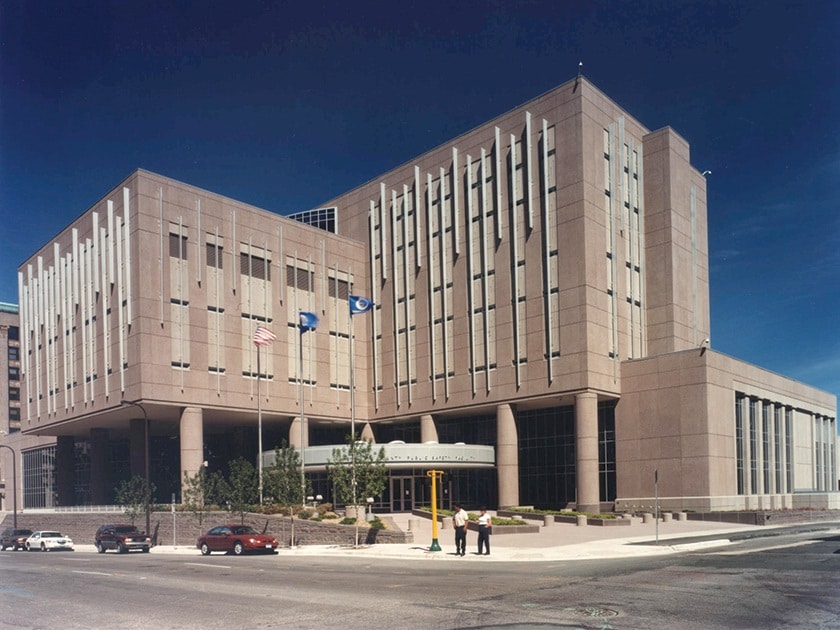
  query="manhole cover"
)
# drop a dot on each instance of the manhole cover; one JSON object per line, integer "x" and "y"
{"x": 594, "y": 611}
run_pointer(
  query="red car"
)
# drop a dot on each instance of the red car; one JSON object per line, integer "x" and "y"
{"x": 237, "y": 539}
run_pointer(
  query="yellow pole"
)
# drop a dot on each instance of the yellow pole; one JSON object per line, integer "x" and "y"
{"x": 434, "y": 474}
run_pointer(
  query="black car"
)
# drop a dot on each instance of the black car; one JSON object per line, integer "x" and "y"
{"x": 122, "y": 538}
{"x": 14, "y": 538}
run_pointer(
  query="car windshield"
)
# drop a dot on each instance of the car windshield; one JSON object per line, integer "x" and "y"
{"x": 125, "y": 529}
{"x": 243, "y": 529}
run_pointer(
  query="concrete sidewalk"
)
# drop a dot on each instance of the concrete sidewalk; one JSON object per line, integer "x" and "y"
{"x": 557, "y": 542}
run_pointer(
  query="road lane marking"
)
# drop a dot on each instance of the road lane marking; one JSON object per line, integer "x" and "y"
{"x": 93, "y": 573}
{"x": 212, "y": 566}
{"x": 744, "y": 552}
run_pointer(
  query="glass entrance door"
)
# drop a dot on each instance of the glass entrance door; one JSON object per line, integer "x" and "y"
{"x": 402, "y": 494}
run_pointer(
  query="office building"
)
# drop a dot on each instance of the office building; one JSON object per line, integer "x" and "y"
{"x": 540, "y": 331}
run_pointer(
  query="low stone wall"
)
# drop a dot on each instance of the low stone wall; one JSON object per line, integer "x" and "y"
{"x": 473, "y": 526}
{"x": 767, "y": 517}
{"x": 565, "y": 518}
{"x": 501, "y": 530}
{"x": 81, "y": 527}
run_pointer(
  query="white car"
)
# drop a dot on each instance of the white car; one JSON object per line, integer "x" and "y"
{"x": 48, "y": 541}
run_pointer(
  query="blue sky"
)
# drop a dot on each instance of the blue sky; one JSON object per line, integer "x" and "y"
{"x": 285, "y": 105}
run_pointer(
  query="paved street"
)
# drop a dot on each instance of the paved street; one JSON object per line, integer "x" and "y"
{"x": 782, "y": 581}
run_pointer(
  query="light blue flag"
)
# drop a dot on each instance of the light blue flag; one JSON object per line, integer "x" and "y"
{"x": 308, "y": 321}
{"x": 359, "y": 305}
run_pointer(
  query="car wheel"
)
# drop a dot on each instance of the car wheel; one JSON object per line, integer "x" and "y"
{"x": 205, "y": 550}
{"x": 122, "y": 548}
{"x": 28, "y": 548}
{"x": 43, "y": 547}
{"x": 238, "y": 548}
{"x": 2, "y": 547}
{"x": 146, "y": 549}
{"x": 99, "y": 547}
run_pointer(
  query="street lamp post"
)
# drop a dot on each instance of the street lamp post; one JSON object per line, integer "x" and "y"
{"x": 148, "y": 492}
{"x": 14, "y": 483}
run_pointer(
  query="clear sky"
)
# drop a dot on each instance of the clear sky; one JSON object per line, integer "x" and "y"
{"x": 284, "y": 105}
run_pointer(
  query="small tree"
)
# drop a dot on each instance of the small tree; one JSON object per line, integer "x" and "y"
{"x": 282, "y": 481}
{"x": 131, "y": 495}
{"x": 371, "y": 473}
{"x": 201, "y": 492}
{"x": 242, "y": 489}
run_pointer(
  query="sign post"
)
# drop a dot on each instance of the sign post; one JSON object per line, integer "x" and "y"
{"x": 656, "y": 501}
{"x": 434, "y": 474}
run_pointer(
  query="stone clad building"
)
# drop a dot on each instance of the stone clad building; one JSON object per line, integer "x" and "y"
{"x": 540, "y": 331}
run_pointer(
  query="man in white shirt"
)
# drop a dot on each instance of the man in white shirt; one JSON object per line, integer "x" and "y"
{"x": 459, "y": 519}
{"x": 484, "y": 525}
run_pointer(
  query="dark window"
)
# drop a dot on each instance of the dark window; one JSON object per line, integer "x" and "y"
{"x": 14, "y": 333}
{"x": 177, "y": 246}
{"x": 342, "y": 291}
{"x": 606, "y": 450}
{"x": 14, "y": 353}
{"x": 255, "y": 267}
{"x": 547, "y": 457}
{"x": 299, "y": 278}
{"x": 212, "y": 259}
{"x": 14, "y": 413}
{"x": 14, "y": 393}
{"x": 14, "y": 373}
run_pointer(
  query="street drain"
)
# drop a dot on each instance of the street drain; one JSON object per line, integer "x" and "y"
{"x": 594, "y": 612}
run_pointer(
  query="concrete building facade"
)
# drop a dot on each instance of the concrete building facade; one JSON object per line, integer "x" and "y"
{"x": 541, "y": 286}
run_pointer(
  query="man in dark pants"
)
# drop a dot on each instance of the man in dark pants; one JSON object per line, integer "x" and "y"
{"x": 484, "y": 525}
{"x": 459, "y": 520}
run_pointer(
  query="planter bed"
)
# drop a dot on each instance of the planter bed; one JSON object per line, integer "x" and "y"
{"x": 498, "y": 530}
{"x": 563, "y": 518}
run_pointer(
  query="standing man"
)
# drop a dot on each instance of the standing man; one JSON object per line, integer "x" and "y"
{"x": 484, "y": 524}
{"x": 459, "y": 519}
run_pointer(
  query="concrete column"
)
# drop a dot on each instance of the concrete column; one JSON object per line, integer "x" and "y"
{"x": 100, "y": 472}
{"x": 65, "y": 469}
{"x": 586, "y": 451}
{"x": 192, "y": 441}
{"x": 137, "y": 447}
{"x": 759, "y": 445}
{"x": 428, "y": 430}
{"x": 296, "y": 435}
{"x": 507, "y": 456}
{"x": 367, "y": 434}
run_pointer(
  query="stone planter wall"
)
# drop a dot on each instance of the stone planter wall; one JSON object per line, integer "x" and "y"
{"x": 82, "y": 526}
{"x": 498, "y": 530}
{"x": 563, "y": 518}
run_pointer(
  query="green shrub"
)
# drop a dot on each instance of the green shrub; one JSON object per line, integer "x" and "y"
{"x": 347, "y": 521}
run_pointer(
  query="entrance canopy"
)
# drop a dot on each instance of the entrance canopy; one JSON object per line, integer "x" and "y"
{"x": 401, "y": 455}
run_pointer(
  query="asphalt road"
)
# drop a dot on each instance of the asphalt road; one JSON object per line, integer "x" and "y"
{"x": 781, "y": 582}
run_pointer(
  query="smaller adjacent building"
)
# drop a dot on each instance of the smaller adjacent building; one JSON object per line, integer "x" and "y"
{"x": 721, "y": 434}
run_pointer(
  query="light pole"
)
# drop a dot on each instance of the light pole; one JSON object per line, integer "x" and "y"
{"x": 14, "y": 483}
{"x": 148, "y": 490}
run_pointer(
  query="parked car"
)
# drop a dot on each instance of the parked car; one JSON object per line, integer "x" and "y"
{"x": 123, "y": 538}
{"x": 236, "y": 539}
{"x": 48, "y": 541}
{"x": 14, "y": 538}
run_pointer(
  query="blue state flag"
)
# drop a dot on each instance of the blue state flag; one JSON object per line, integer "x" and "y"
{"x": 359, "y": 305}
{"x": 308, "y": 321}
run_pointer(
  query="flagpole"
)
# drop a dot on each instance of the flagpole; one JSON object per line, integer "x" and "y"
{"x": 357, "y": 306}
{"x": 353, "y": 422}
{"x": 259, "y": 426}
{"x": 302, "y": 432}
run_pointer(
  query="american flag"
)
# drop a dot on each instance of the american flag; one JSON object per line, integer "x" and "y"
{"x": 263, "y": 336}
